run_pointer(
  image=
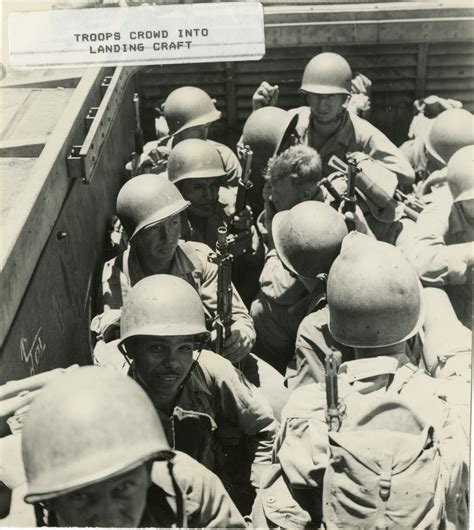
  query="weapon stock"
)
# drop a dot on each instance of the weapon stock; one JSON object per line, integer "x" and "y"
{"x": 138, "y": 137}
{"x": 223, "y": 259}
{"x": 244, "y": 182}
{"x": 138, "y": 126}
{"x": 333, "y": 416}
{"x": 350, "y": 169}
{"x": 411, "y": 205}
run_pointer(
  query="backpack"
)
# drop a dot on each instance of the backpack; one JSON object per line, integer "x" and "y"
{"x": 385, "y": 465}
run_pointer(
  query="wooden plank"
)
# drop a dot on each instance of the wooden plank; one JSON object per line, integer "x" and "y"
{"x": 464, "y": 59}
{"x": 448, "y": 84}
{"x": 231, "y": 94}
{"x": 386, "y": 74}
{"x": 286, "y": 34}
{"x": 421, "y": 69}
{"x": 37, "y": 114}
{"x": 362, "y": 12}
{"x": 162, "y": 90}
{"x": 163, "y": 70}
{"x": 18, "y": 149}
{"x": 450, "y": 72}
{"x": 359, "y": 50}
{"x": 181, "y": 79}
{"x": 15, "y": 176}
{"x": 452, "y": 48}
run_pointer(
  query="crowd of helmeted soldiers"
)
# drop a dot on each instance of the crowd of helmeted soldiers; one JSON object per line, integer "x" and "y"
{"x": 285, "y": 329}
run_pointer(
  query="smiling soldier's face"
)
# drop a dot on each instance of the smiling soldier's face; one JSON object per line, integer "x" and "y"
{"x": 163, "y": 363}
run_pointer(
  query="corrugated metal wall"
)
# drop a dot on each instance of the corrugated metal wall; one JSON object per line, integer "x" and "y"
{"x": 399, "y": 73}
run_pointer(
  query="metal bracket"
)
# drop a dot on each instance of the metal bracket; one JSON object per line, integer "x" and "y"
{"x": 74, "y": 163}
{"x": 84, "y": 158}
{"x": 90, "y": 117}
{"x": 105, "y": 84}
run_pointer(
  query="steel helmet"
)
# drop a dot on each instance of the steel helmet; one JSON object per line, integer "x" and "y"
{"x": 194, "y": 159}
{"x": 187, "y": 107}
{"x": 162, "y": 305}
{"x": 374, "y": 295}
{"x": 327, "y": 73}
{"x": 450, "y": 130}
{"x": 84, "y": 427}
{"x": 308, "y": 237}
{"x": 461, "y": 174}
{"x": 146, "y": 200}
{"x": 265, "y": 130}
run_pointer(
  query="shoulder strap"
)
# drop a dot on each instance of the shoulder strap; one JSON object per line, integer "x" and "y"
{"x": 191, "y": 254}
{"x": 403, "y": 376}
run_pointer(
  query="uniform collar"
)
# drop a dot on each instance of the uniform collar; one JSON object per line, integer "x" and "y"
{"x": 196, "y": 384}
{"x": 342, "y": 135}
{"x": 371, "y": 367}
{"x": 180, "y": 264}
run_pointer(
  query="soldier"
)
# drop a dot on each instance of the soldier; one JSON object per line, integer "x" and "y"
{"x": 445, "y": 231}
{"x": 207, "y": 409}
{"x": 308, "y": 239}
{"x": 196, "y": 167}
{"x": 268, "y": 131}
{"x": 15, "y": 400}
{"x": 325, "y": 123}
{"x": 189, "y": 113}
{"x": 95, "y": 454}
{"x": 292, "y": 177}
{"x": 427, "y": 109}
{"x": 332, "y": 442}
{"x": 450, "y": 131}
{"x": 148, "y": 207}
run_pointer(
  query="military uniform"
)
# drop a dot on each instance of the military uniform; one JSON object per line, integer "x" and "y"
{"x": 301, "y": 450}
{"x": 205, "y": 501}
{"x": 277, "y": 311}
{"x": 224, "y": 423}
{"x": 441, "y": 227}
{"x": 355, "y": 134}
{"x": 190, "y": 262}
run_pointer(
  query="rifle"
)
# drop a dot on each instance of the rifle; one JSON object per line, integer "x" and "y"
{"x": 350, "y": 198}
{"x": 326, "y": 183}
{"x": 245, "y": 183}
{"x": 350, "y": 169}
{"x": 138, "y": 136}
{"x": 411, "y": 205}
{"x": 333, "y": 416}
{"x": 223, "y": 259}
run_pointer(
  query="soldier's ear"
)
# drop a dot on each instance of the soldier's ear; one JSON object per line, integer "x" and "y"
{"x": 128, "y": 347}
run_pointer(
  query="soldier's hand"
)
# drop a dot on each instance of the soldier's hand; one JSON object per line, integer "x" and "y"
{"x": 265, "y": 95}
{"x": 240, "y": 243}
{"x": 361, "y": 84}
{"x": 359, "y": 221}
{"x": 239, "y": 344}
{"x": 267, "y": 191}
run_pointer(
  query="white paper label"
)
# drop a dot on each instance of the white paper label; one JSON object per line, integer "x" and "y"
{"x": 188, "y": 33}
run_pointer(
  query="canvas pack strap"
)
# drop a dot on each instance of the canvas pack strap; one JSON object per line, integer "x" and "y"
{"x": 385, "y": 485}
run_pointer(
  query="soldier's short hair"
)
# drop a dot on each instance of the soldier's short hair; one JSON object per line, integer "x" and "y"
{"x": 299, "y": 162}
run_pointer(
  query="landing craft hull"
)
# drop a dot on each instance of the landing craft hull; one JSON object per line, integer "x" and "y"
{"x": 50, "y": 325}
{"x": 53, "y": 225}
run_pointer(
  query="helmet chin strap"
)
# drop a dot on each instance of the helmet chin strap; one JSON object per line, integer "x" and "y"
{"x": 145, "y": 385}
